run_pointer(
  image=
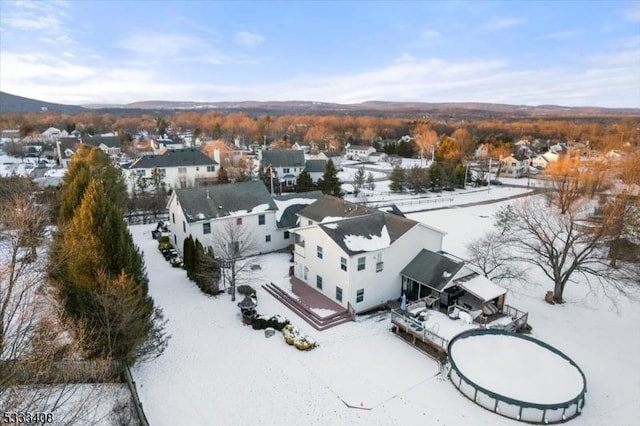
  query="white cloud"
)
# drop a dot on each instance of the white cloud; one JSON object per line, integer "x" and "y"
{"x": 161, "y": 44}
{"x": 561, "y": 35}
{"x": 499, "y": 24}
{"x": 632, "y": 13}
{"x": 248, "y": 39}
{"x": 429, "y": 33}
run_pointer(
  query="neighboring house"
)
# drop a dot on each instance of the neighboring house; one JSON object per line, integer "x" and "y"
{"x": 109, "y": 144}
{"x": 540, "y": 162}
{"x": 359, "y": 152}
{"x": 286, "y": 165}
{"x": 316, "y": 169}
{"x": 65, "y": 148}
{"x": 334, "y": 156}
{"x": 52, "y": 134}
{"x": 551, "y": 156}
{"x": 514, "y": 166}
{"x": 302, "y": 146}
{"x": 482, "y": 151}
{"x": 243, "y": 210}
{"x": 357, "y": 261}
{"x": 378, "y": 157}
{"x": 179, "y": 168}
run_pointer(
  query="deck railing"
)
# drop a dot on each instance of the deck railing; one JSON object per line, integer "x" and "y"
{"x": 416, "y": 328}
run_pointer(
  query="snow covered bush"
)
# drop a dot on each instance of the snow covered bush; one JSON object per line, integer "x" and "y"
{"x": 276, "y": 322}
{"x": 294, "y": 337}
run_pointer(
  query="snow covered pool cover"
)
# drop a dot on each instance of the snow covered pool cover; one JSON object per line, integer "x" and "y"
{"x": 516, "y": 367}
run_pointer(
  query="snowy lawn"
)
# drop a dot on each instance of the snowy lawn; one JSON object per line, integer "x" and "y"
{"x": 217, "y": 371}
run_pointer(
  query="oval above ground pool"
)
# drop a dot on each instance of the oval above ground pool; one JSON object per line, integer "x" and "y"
{"x": 516, "y": 376}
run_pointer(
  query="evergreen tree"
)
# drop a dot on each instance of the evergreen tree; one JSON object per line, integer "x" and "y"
{"x": 223, "y": 177}
{"x": 398, "y": 179}
{"x": 417, "y": 179}
{"x": 304, "y": 183}
{"x": 198, "y": 253}
{"x": 358, "y": 180}
{"x": 188, "y": 249}
{"x": 329, "y": 183}
{"x": 90, "y": 163}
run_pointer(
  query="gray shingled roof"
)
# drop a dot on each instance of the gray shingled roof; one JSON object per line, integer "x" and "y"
{"x": 289, "y": 217}
{"x": 174, "y": 158}
{"x": 358, "y": 147}
{"x": 432, "y": 269}
{"x": 221, "y": 200}
{"x": 316, "y": 166}
{"x": 110, "y": 141}
{"x": 328, "y": 205}
{"x": 283, "y": 158}
{"x": 367, "y": 226}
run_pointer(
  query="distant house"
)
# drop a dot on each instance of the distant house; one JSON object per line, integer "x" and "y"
{"x": 357, "y": 261}
{"x": 514, "y": 166}
{"x": 482, "y": 151}
{"x": 329, "y": 209}
{"x": 315, "y": 169}
{"x": 286, "y": 165}
{"x": 52, "y": 134}
{"x": 378, "y": 157}
{"x": 179, "y": 168}
{"x": 302, "y": 146}
{"x": 359, "y": 152}
{"x": 209, "y": 213}
{"x": 65, "y": 148}
{"x": 109, "y": 144}
{"x": 540, "y": 162}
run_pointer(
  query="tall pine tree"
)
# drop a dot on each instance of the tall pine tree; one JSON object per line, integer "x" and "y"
{"x": 304, "y": 183}
{"x": 329, "y": 183}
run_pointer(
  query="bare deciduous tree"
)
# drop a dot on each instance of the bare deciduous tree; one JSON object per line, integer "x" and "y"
{"x": 562, "y": 246}
{"x": 34, "y": 343}
{"x": 493, "y": 258}
{"x": 232, "y": 243}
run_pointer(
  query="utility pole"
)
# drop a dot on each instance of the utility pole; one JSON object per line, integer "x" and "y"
{"x": 271, "y": 175}
{"x": 466, "y": 173}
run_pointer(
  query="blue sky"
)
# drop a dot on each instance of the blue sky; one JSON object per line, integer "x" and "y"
{"x": 530, "y": 52}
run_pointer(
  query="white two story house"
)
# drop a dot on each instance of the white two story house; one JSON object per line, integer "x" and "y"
{"x": 243, "y": 212}
{"x": 179, "y": 168}
{"x": 359, "y": 152}
{"x": 358, "y": 261}
{"x": 514, "y": 166}
{"x": 286, "y": 165}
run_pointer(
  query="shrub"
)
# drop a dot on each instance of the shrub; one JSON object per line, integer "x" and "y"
{"x": 293, "y": 337}
{"x": 246, "y": 290}
{"x": 164, "y": 246}
{"x": 163, "y": 239}
{"x": 276, "y": 322}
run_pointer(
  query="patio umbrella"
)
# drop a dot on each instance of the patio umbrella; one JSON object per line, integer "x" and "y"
{"x": 403, "y": 302}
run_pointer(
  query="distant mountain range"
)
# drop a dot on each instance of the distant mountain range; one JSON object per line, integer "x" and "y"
{"x": 449, "y": 110}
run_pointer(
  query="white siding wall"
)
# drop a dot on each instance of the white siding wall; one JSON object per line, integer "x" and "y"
{"x": 173, "y": 177}
{"x": 249, "y": 223}
{"x": 379, "y": 287}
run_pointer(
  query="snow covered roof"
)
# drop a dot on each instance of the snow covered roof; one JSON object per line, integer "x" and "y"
{"x": 289, "y": 205}
{"x": 334, "y": 207}
{"x": 371, "y": 232}
{"x": 174, "y": 158}
{"x": 233, "y": 199}
{"x": 481, "y": 287}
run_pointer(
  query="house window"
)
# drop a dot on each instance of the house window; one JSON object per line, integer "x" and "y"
{"x": 206, "y": 228}
{"x": 285, "y": 170}
{"x": 319, "y": 282}
{"x": 379, "y": 262}
{"x": 173, "y": 217}
{"x": 197, "y": 169}
{"x": 361, "y": 263}
{"x": 184, "y": 226}
{"x": 175, "y": 240}
{"x": 319, "y": 252}
{"x": 343, "y": 263}
{"x": 306, "y": 271}
{"x": 162, "y": 172}
{"x": 182, "y": 170}
{"x": 211, "y": 168}
{"x": 239, "y": 221}
{"x": 309, "y": 223}
{"x": 286, "y": 235}
{"x": 141, "y": 173}
{"x": 267, "y": 238}
{"x": 234, "y": 248}
{"x": 261, "y": 219}
{"x": 338, "y": 294}
{"x": 360, "y": 296}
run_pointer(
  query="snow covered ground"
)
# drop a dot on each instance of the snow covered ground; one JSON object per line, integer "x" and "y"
{"x": 217, "y": 371}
